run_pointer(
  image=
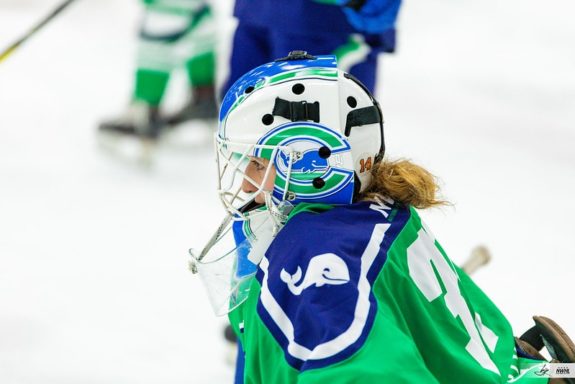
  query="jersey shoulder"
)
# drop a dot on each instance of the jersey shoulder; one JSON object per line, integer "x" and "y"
{"x": 316, "y": 280}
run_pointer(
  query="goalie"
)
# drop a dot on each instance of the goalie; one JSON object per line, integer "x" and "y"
{"x": 330, "y": 275}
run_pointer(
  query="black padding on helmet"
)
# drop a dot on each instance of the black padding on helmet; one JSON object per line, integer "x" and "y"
{"x": 361, "y": 116}
{"x": 376, "y": 105}
{"x": 296, "y": 110}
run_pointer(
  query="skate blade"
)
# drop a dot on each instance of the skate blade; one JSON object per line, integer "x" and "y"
{"x": 189, "y": 136}
{"x": 134, "y": 149}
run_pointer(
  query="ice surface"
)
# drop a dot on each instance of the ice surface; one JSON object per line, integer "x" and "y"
{"x": 94, "y": 286}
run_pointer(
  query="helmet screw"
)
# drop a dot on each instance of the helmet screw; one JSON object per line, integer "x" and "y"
{"x": 324, "y": 152}
{"x": 267, "y": 119}
{"x": 351, "y": 101}
{"x": 298, "y": 88}
{"x": 290, "y": 196}
{"x": 318, "y": 182}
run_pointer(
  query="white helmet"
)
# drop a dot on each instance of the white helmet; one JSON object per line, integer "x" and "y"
{"x": 319, "y": 126}
{"x": 321, "y": 130}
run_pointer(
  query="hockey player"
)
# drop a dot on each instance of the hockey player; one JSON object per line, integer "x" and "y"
{"x": 334, "y": 277}
{"x": 355, "y": 31}
{"x": 174, "y": 33}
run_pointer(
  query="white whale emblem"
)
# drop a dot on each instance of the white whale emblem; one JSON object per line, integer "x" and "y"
{"x": 327, "y": 268}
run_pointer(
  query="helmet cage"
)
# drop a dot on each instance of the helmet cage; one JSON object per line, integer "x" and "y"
{"x": 232, "y": 159}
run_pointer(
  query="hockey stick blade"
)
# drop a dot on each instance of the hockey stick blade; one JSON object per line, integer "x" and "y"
{"x": 479, "y": 256}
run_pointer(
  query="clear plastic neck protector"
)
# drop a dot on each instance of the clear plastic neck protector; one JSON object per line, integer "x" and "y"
{"x": 229, "y": 261}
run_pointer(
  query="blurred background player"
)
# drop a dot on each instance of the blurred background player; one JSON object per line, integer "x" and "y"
{"x": 173, "y": 34}
{"x": 355, "y": 31}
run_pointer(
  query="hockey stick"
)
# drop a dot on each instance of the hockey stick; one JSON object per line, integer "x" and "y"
{"x": 8, "y": 51}
{"x": 479, "y": 256}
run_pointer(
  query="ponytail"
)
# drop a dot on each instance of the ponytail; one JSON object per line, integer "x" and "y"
{"x": 404, "y": 182}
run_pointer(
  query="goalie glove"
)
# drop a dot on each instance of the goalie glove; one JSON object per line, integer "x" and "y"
{"x": 547, "y": 333}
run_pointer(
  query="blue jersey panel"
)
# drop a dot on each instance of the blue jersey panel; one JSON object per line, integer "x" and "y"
{"x": 316, "y": 281}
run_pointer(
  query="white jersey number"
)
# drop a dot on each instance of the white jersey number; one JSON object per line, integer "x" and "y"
{"x": 422, "y": 256}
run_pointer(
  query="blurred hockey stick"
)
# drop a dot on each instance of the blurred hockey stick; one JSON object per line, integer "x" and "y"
{"x": 8, "y": 51}
{"x": 479, "y": 256}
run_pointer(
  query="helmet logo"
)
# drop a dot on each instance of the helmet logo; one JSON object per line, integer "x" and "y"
{"x": 310, "y": 161}
{"x": 303, "y": 140}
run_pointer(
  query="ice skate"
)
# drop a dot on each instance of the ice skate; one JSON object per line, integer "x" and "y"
{"x": 202, "y": 106}
{"x": 133, "y": 135}
{"x": 140, "y": 120}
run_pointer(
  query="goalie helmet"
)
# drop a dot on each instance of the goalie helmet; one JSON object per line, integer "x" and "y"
{"x": 318, "y": 126}
{"x": 313, "y": 134}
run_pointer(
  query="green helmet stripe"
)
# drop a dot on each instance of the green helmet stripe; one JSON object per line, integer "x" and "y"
{"x": 331, "y": 140}
{"x": 300, "y": 73}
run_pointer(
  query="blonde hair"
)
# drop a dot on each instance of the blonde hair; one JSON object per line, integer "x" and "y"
{"x": 404, "y": 182}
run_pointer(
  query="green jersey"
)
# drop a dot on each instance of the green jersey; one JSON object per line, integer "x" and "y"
{"x": 364, "y": 293}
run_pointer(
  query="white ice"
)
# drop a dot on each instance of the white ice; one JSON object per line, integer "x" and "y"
{"x": 94, "y": 286}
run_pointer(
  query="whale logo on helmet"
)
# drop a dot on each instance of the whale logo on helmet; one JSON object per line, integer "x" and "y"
{"x": 310, "y": 161}
{"x": 298, "y": 144}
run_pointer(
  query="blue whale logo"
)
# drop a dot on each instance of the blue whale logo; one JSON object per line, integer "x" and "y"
{"x": 308, "y": 163}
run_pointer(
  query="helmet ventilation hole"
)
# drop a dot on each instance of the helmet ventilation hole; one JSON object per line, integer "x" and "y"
{"x": 267, "y": 119}
{"x": 351, "y": 101}
{"x": 249, "y": 89}
{"x": 298, "y": 89}
{"x": 318, "y": 182}
{"x": 324, "y": 152}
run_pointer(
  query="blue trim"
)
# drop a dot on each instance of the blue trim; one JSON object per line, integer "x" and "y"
{"x": 240, "y": 365}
